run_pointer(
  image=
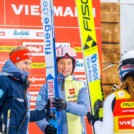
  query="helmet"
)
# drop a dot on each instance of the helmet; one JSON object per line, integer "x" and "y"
{"x": 66, "y": 52}
{"x": 126, "y": 65}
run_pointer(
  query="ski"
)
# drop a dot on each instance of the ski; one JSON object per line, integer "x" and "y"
{"x": 47, "y": 15}
{"x": 90, "y": 55}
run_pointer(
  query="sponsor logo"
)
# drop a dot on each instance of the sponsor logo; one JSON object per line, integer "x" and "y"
{"x": 92, "y": 67}
{"x": 126, "y": 123}
{"x": 71, "y": 91}
{"x": 38, "y": 65}
{"x": 127, "y": 104}
{"x": 80, "y": 63}
{"x": 34, "y": 10}
{"x": 40, "y": 34}
{"x": 21, "y": 33}
{"x": 63, "y": 44}
{"x": 6, "y": 48}
{"x": 51, "y": 90}
{"x": 1, "y": 93}
{"x": 78, "y": 49}
{"x": 47, "y": 28}
{"x": 35, "y": 47}
{"x": 37, "y": 79}
{"x": 121, "y": 94}
{"x": 35, "y": 85}
{"x": 2, "y": 33}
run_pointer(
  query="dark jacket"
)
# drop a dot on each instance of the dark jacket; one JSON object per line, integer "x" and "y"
{"x": 13, "y": 98}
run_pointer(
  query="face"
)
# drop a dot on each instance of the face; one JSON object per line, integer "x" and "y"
{"x": 24, "y": 65}
{"x": 65, "y": 66}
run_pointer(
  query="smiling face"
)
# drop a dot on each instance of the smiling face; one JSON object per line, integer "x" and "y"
{"x": 65, "y": 66}
{"x": 24, "y": 65}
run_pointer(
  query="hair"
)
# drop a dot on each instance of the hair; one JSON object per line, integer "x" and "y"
{"x": 17, "y": 49}
{"x": 128, "y": 85}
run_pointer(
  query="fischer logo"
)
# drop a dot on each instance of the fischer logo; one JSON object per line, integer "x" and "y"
{"x": 126, "y": 123}
{"x": 21, "y": 33}
{"x": 2, "y": 33}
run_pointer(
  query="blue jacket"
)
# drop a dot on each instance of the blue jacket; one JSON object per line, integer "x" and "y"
{"x": 14, "y": 98}
{"x": 79, "y": 108}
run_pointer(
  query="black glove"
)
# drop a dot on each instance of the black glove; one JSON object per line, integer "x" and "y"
{"x": 47, "y": 108}
{"x": 92, "y": 118}
{"x": 50, "y": 129}
{"x": 59, "y": 104}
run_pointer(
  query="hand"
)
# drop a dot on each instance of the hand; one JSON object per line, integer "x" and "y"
{"x": 92, "y": 118}
{"x": 47, "y": 108}
{"x": 50, "y": 129}
{"x": 59, "y": 104}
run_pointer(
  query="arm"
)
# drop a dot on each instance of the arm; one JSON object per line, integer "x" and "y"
{"x": 80, "y": 107}
{"x": 40, "y": 103}
{"x": 3, "y": 90}
{"x": 106, "y": 127}
{"x": 36, "y": 115}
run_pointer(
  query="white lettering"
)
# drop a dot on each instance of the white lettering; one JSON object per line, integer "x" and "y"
{"x": 28, "y": 10}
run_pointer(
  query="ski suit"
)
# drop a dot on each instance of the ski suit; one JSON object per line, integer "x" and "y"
{"x": 76, "y": 95}
{"x": 14, "y": 101}
{"x": 118, "y": 115}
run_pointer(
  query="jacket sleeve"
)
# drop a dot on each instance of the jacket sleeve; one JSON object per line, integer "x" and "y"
{"x": 81, "y": 107}
{"x": 36, "y": 115}
{"x": 3, "y": 89}
{"x": 40, "y": 103}
{"x": 102, "y": 127}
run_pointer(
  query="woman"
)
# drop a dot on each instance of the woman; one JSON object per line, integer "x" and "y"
{"x": 118, "y": 116}
{"x": 14, "y": 98}
{"x": 73, "y": 102}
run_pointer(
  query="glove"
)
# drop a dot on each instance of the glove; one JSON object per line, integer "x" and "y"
{"x": 50, "y": 129}
{"x": 47, "y": 108}
{"x": 59, "y": 104}
{"x": 92, "y": 118}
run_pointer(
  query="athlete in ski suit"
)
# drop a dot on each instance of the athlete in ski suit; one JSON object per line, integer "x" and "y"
{"x": 14, "y": 101}
{"x": 73, "y": 103}
{"x": 118, "y": 116}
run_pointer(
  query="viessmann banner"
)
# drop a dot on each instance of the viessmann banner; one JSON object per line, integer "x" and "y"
{"x": 20, "y": 24}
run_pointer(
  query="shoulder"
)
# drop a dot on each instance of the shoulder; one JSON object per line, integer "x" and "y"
{"x": 109, "y": 99}
{"x": 4, "y": 79}
{"x": 81, "y": 83}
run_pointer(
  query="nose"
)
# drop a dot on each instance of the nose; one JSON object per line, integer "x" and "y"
{"x": 65, "y": 65}
{"x": 28, "y": 67}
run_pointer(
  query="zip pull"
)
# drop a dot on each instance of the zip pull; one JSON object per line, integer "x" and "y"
{"x": 8, "y": 119}
{"x": 3, "y": 125}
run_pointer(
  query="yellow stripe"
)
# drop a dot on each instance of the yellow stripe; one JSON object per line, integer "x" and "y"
{"x": 38, "y": 65}
{"x": 89, "y": 45}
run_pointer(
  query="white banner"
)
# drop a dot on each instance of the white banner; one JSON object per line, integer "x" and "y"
{"x": 127, "y": 26}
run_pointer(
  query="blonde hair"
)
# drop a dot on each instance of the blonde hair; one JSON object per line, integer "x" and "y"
{"x": 17, "y": 49}
{"x": 129, "y": 85}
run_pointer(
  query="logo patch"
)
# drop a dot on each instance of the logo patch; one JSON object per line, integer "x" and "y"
{"x": 38, "y": 98}
{"x": 1, "y": 93}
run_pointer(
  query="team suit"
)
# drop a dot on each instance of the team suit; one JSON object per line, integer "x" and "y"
{"x": 118, "y": 116}
{"x": 76, "y": 95}
{"x": 14, "y": 101}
